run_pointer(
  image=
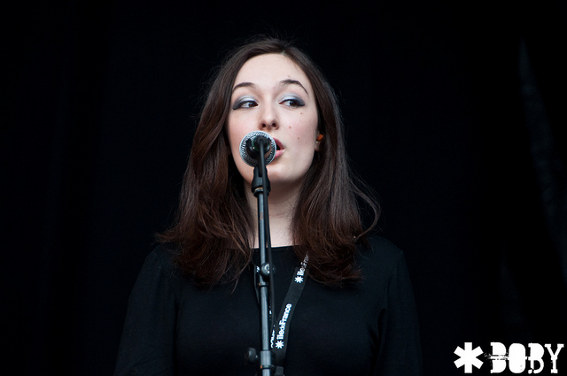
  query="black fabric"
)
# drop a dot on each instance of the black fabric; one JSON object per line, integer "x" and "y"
{"x": 173, "y": 328}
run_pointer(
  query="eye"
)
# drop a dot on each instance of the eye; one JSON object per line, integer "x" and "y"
{"x": 292, "y": 101}
{"x": 244, "y": 102}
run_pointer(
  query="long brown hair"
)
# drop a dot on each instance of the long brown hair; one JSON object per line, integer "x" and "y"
{"x": 214, "y": 220}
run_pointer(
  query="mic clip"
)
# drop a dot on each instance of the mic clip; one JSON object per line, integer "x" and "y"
{"x": 258, "y": 182}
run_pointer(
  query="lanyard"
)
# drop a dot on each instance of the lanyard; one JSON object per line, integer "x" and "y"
{"x": 280, "y": 332}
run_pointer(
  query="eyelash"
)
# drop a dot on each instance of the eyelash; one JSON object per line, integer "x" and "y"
{"x": 294, "y": 102}
{"x": 247, "y": 102}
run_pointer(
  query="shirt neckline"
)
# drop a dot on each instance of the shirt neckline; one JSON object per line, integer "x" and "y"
{"x": 277, "y": 249}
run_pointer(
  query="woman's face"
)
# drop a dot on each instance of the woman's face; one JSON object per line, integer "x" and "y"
{"x": 272, "y": 94}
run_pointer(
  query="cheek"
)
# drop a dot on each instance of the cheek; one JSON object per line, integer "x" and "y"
{"x": 236, "y": 132}
{"x": 235, "y": 135}
{"x": 303, "y": 123}
{"x": 305, "y": 131}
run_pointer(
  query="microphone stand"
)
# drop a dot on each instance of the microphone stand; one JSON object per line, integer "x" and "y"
{"x": 261, "y": 189}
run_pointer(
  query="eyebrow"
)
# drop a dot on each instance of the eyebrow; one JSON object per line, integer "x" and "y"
{"x": 282, "y": 83}
{"x": 293, "y": 82}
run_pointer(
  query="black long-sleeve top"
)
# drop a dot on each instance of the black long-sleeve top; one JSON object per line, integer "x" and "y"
{"x": 369, "y": 328}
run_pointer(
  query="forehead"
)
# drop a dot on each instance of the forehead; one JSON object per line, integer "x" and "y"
{"x": 270, "y": 69}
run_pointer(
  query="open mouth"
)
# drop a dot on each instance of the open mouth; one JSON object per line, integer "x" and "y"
{"x": 279, "y": 148}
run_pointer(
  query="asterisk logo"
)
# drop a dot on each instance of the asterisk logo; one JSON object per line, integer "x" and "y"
{"x": 279, "y": 345}
{"x": 299, "y": 279}
{"x": 468, "y": 357}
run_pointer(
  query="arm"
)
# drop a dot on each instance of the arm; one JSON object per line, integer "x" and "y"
{"x": 148, "y": 337}
{"x": 399, "y": 347}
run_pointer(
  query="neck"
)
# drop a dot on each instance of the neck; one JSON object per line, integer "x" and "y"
{"x": 281, "y": 206}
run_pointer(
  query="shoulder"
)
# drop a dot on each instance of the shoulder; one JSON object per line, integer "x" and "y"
{"x": 158, "y": 281}
{"x": 381, "y": 249}
{"x": 380, "y": 257}
{"x": 162, "y": 259}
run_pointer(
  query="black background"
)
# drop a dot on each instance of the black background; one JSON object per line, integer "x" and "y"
{"x": 453, "y": 115}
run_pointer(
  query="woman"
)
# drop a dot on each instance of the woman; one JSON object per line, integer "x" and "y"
{"x": 194, "y": 308}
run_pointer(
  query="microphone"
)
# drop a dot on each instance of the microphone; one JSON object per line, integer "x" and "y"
{"x": 250, "y": 147}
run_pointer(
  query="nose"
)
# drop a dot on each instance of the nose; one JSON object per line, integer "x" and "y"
{"x": 268, "y": 118}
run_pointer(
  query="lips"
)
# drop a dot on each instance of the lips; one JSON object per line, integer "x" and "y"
{"x": 279, "y": 148}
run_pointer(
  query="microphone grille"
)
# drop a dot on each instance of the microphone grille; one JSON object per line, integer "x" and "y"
{"x": 246, "y": 153}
